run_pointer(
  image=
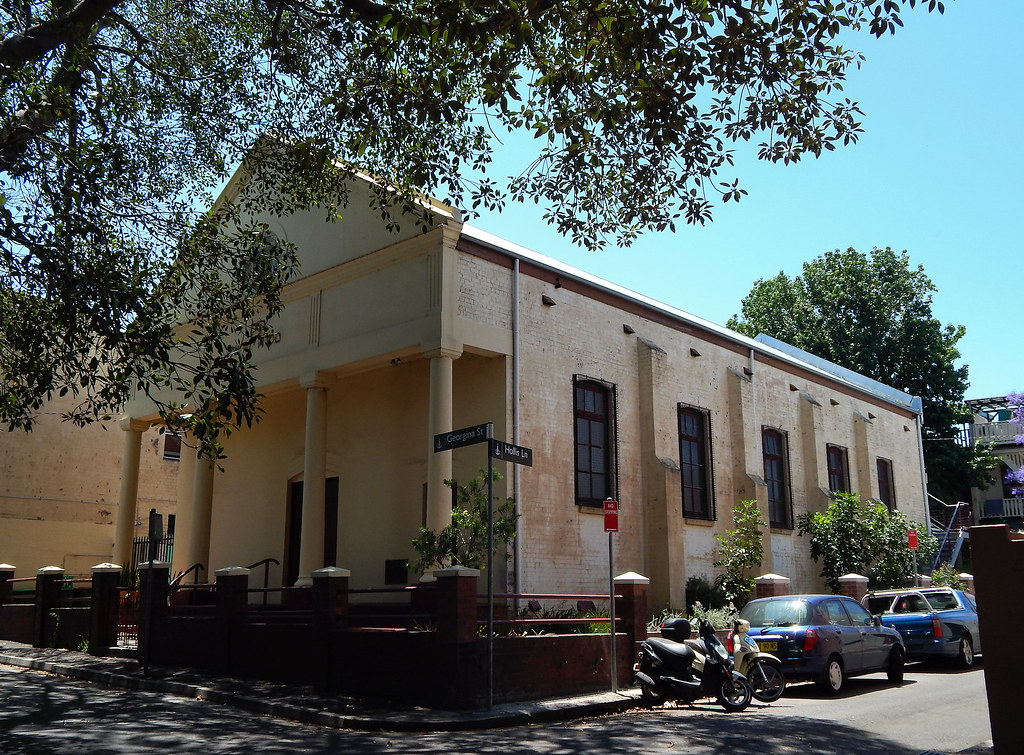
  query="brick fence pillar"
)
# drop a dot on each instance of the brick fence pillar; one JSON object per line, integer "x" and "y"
{"x": 631, "y": 609}
{"x": 232, "y": 605}
{"x": 48, "y": 584}
{"x": 423, "y": 598}
{"x": 967, "y": 580}
{"x": 997, "y": 556}
{"x": 771, "y": 585}
{"x": 154, "y": 591}
{"x": 330, "y": 613}
{"x": 456, "y": 636}
{"x": 919, "y": 580}
{"x": 104, "y": 603}
{"x": 853, "y": 586}
{"x": 6, "y": 586}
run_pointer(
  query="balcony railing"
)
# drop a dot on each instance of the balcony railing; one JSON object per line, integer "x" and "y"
{"x": 1001, "y": 508}
{"x": 1000, "y": 432}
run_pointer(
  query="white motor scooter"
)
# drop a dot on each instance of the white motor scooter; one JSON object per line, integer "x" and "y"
{"x": 762, "y": 670}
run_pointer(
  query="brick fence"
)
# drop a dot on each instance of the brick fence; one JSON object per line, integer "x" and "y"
{"x": 310, "y": 636}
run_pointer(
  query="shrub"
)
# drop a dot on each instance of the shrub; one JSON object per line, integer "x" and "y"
{"x": 464, "y": 541}
{"x": 946, "y": 575}
{"x": 700, "y": 589}
{"x": 740, "y": 549}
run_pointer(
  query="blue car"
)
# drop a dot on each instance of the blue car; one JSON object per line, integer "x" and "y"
{"x": 824, "y": 638}
{"x": 935, "y": 622}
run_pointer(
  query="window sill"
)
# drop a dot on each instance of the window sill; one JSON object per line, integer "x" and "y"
{"x": 698, "y": 521}
{"x": 781, "y": 530}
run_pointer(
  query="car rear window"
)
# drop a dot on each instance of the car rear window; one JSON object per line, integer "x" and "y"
{"x": 776, "y": 613}
{"x": 942, "y": 601}
{"x": 879, "y": 604}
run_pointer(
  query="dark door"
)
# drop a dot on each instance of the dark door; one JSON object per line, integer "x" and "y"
{"x": 295, "y": 527}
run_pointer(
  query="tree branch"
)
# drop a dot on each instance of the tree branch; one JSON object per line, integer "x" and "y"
{"x": 36, "y": 41}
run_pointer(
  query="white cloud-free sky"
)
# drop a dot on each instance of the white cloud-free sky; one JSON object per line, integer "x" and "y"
{"x": 937, "y": 173}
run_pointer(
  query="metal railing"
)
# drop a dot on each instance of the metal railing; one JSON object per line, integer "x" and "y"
{"x": 1001, "y": 508}
{"x": 1000, "y": 432}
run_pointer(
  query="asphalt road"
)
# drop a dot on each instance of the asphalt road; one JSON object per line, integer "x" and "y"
{"x": 936, "y": 709}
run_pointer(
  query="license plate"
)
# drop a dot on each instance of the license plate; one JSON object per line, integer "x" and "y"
{"x": 768, "y": 647}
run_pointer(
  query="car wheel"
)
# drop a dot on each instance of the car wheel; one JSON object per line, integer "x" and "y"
{"x": 832, "y": 677}
{"x": 965, "y": 655}
{"x": 894, "y": 669}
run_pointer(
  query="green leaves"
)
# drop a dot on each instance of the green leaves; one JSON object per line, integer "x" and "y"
{"x": 872, "y": 313}
{"x": 740, "y": 550}
{"x": 864, "y": 538}
{"x": 116, "y": 128}
{"x": 464, "y": 541}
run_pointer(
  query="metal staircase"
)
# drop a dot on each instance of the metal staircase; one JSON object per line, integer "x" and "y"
{"x": 949, "y": 524}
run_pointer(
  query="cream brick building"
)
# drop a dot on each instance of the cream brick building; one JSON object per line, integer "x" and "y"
{"x": 389, "y": 339}
{"x": 60, "y": 487}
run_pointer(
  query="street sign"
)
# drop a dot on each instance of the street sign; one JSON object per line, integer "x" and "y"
{"x": 912, "y": 539}
{"x": 467, "y": 436}
{"x": 611, "y": 516}
{"x": 508, "y": 452}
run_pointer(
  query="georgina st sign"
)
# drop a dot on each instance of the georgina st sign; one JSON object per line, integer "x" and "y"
{"x": 467, "y": 436}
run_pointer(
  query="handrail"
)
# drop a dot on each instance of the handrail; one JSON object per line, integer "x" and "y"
{"x": 551, "y": 596}
{"x": 265, "y": 563}
{"x": 579, "y": 620}
{"x": 949, "y": 527}
{"x": 195, "y": 567}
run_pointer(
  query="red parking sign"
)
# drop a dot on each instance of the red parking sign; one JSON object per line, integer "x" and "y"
{"x": 611, "y": 516}
{"x": 912, "y": 539}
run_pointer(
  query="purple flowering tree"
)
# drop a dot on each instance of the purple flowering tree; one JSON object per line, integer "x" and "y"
{"x": 1016, "y": 479}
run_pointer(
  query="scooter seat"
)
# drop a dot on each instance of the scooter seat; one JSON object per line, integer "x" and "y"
{"x": 676, "y": 650}
{"x": 697, "y": 645}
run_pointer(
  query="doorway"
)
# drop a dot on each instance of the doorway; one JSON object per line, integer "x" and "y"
{"x": 294, "y": 543}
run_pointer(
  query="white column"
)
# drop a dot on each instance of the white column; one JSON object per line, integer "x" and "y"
{"x": 311, "y": 550}
{"x": 202, "y": 516}
{"x": 439, "y": 466}
{"x": 184, "y": 509}
{"x": 128, "y": 497}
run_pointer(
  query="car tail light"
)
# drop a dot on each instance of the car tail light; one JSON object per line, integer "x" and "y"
{"x": 810, "y": 640}
{"x": 728, "y": 643}
{"x": 936, "y": 627}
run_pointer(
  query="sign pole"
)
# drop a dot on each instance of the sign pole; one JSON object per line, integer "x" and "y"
{"x": 912, "y": 544}
{"x": 468, "y": 436}
{"x": 611, "y": 526}
{"x": 611, "y": 593}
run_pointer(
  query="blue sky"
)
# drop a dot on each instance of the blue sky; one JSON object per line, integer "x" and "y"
{"x": 937, "y": 173}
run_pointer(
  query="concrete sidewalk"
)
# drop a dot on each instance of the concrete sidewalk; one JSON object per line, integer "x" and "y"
{"x": 304, "y": 703}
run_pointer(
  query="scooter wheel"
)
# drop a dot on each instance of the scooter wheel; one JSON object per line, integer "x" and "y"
{"x": 734, "y": 695}
{"x": 767, "y": 682}
{"x": 649, "y": 695}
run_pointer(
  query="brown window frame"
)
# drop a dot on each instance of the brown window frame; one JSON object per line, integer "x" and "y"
{"x": 698, "y": 500}
{"x": 883, "y": 468}
{"x": 842, "y": 474}
{"x": 584, "y": 473}
{"x": 780, "y": 497}
{"x": 172, "y": 446}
